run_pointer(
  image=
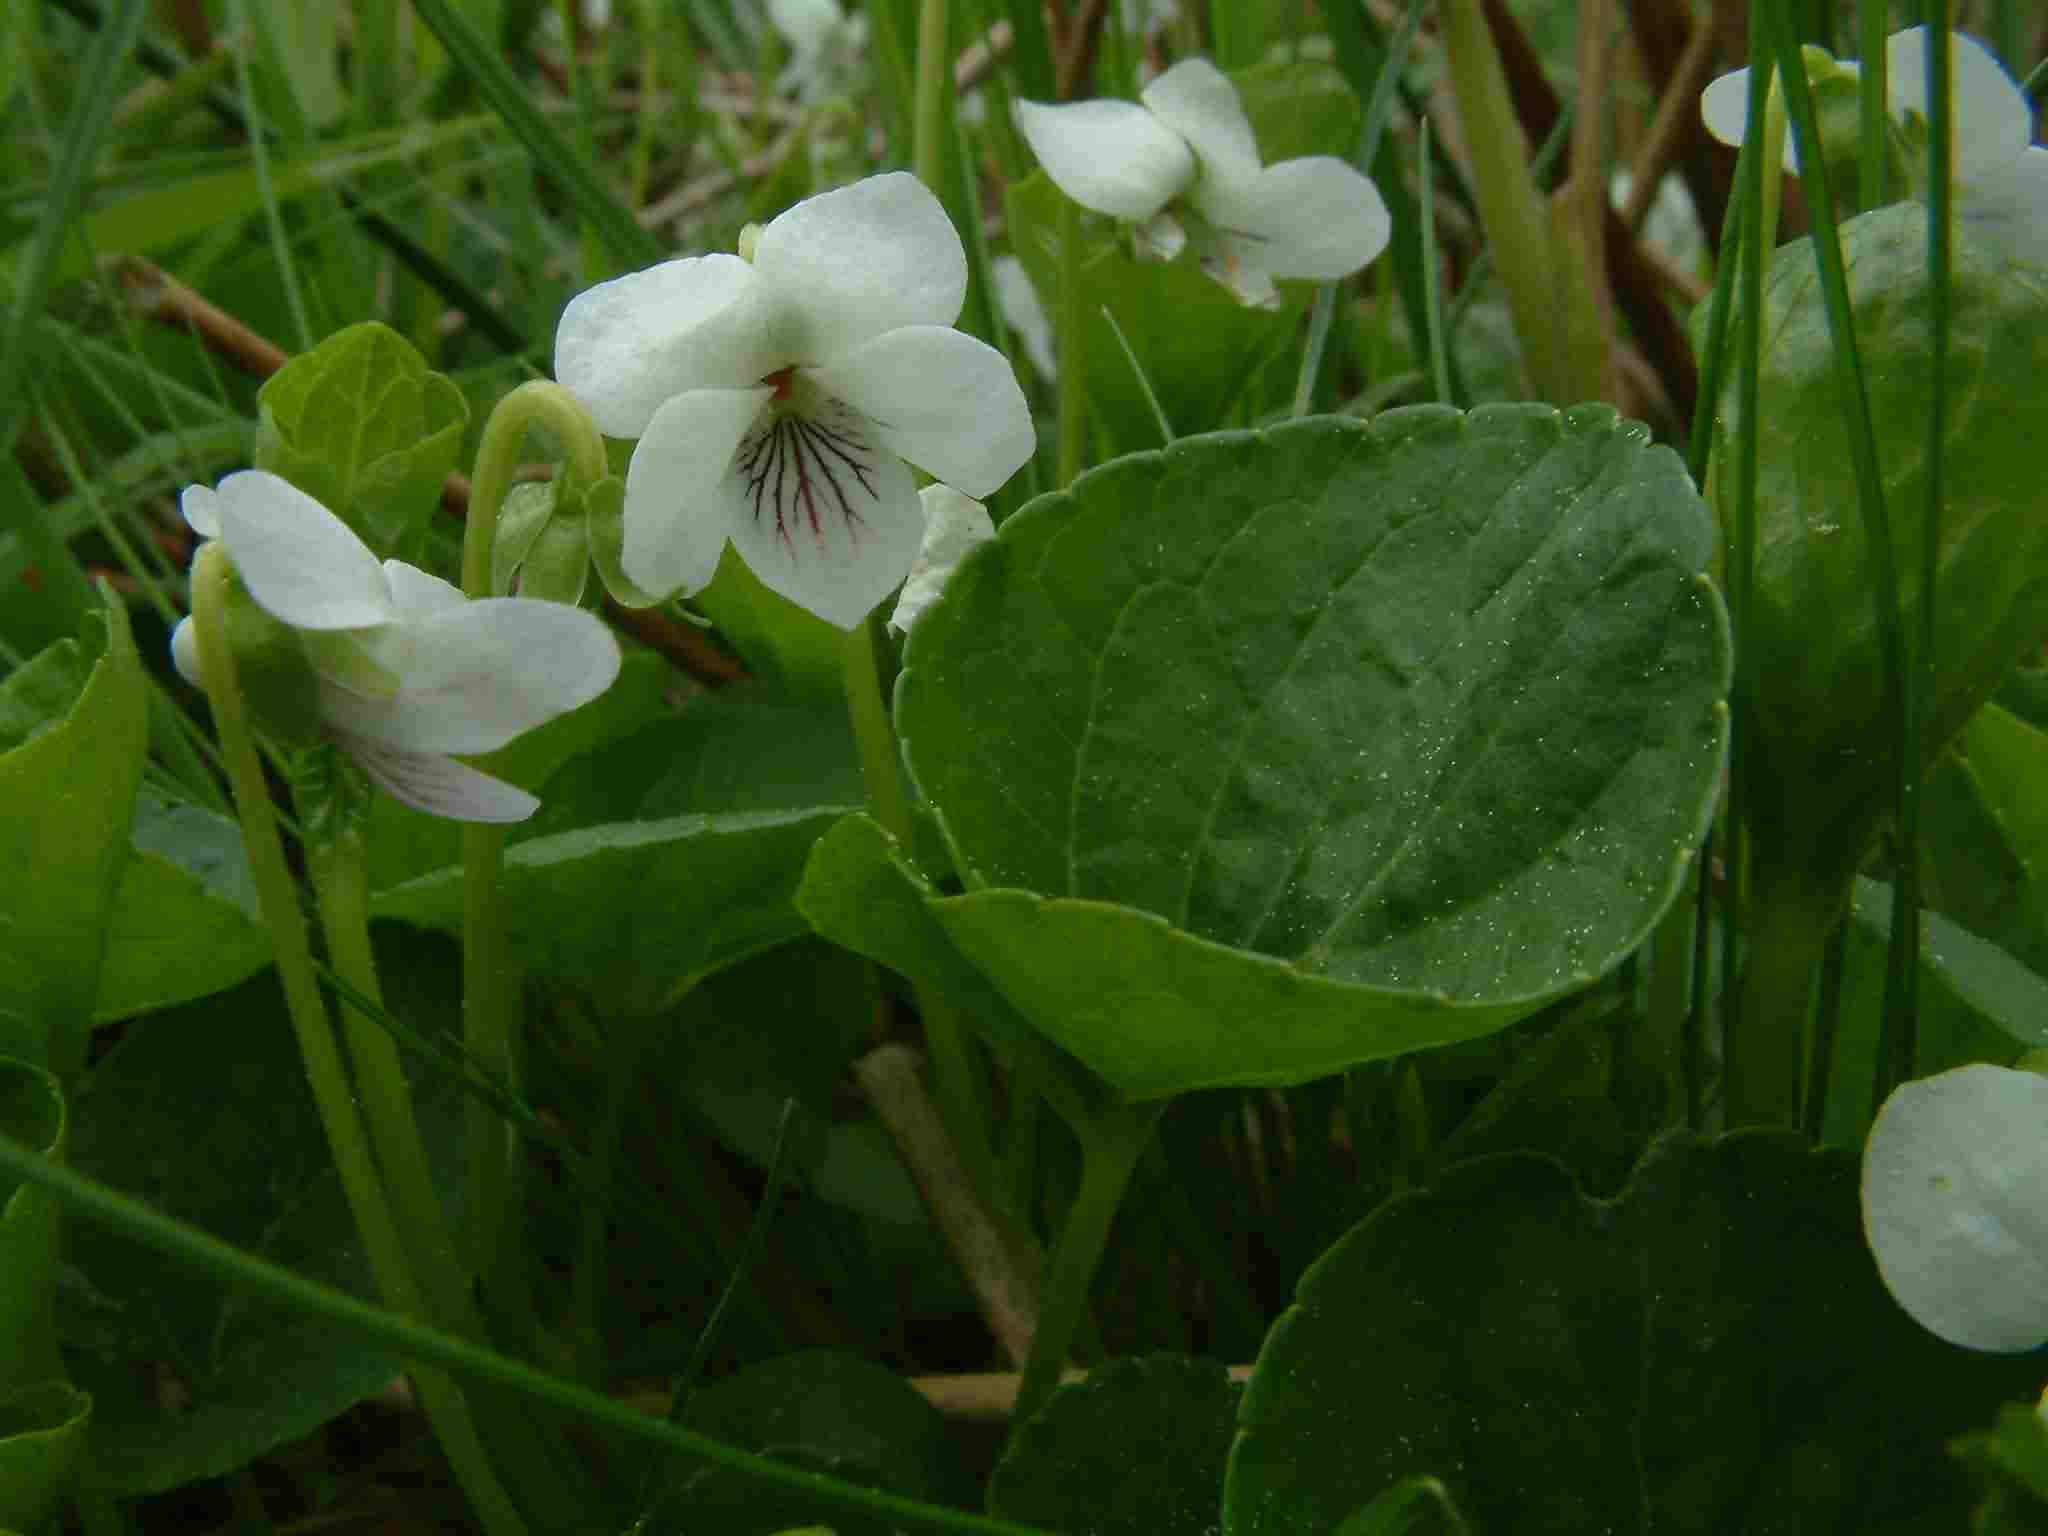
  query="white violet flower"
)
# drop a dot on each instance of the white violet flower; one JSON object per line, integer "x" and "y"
{"x": 2001, "y": 177}
{"x": 1024, "y": 315}
{"x": 824, "y": 42}
{"x": 954, "y": 526}
{"x": 406, "y": 669}
{"x": 1955, "y": 1205}
{"x": 777, "y": 395}
{"x": 1315, "y": 217}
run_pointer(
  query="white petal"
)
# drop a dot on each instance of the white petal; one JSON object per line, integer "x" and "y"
{"x": 1199, "y": 103}
{"x": 1023, "y": 313}
{"x": 1315, "y": 217}
{"x": 1955, "y": 1205}
{"x": 416, "y": 594}
{"x": 1724, "y": 106}
{"x": 674, "y": 518}
{"x": 1112, "y": 156}
{"x": 438, "y": 785}
{"x": 1160, "y": 238}
{"x": 856, "y": 262}
{"x": 1233, "y": 260}
{"x": 185, "y": 652}
{"x": 941, "y": 399}
{"x": 807, "y": 25}
{"x": 299, "y": 561}
{"x": 200, "y": 507}
{"x": 822, "y": 512}
{"x": 2007, "y": 208}
{"x": 954, "y": 525}
{"x": 1993, "y": 121}
{"x": 626, "y": 346}
{"x": 474, "y": 677}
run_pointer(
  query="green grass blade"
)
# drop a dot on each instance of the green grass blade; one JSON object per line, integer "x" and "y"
{"x": 480, "y": 59}
{"x": 78, "y": 149}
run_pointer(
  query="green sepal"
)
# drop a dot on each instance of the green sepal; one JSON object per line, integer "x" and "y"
{"x": 362, "y": 425}
{"x": 557, "y": 566}
{"x": 528, "y": 507}
{"x": 277, "y": 678}
{"x": 605, "y": 515}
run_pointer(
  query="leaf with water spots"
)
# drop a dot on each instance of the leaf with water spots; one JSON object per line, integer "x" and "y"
{"x": 1280, "y": 751}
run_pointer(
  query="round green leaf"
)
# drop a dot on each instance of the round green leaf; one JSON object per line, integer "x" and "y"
{"x": 1136, "y": 1449}
{"x": 1712, "y": 1352}
{"x": 1816, "y": 781}
{"x": 42, "y": 1431}
{"x": 1288, "y": 750}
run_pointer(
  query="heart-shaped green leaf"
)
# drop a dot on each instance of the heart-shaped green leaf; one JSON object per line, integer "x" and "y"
{"x": 42, "y": 1432}
{"x": 184, "y": 922}
{"x": 1137, "y": 1449}
{"x": 1292, "y": 749}
{"x": 362, "y": 425}
{"x": 31, "y": 1113}
{"x": 1818, "y": 775}
{"x": 638, "y": 911}
{"x": 1712, "y": 1352}
{"x": 69, "y": 794}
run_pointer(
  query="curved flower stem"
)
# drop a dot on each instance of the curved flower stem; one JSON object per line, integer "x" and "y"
{"x": 489, "y": 987}
{"x": 1073, "y": 417}
{"x": 1109, "y": 1154}
{"x": 446, "y": 1409}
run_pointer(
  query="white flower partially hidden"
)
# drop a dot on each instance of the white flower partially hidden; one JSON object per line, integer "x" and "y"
{"x": 406, "y": 669}
{"x": 1955, "y": 1205}
{"x": 1314, "y": 217}
{"x": 954, "y": 526}
{"x": 824, "y": 44}
{"x": 1024, "y": 315}
{"x": 776, "y": 399}
{"x": 2000, "y": 176}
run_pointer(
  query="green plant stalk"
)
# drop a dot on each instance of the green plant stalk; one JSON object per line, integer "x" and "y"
{"x": 1790, "y": 918}
{"x": 1512, "y": 212}
{"x": 1873, "y": 106}
{"x": 1073, "y": 392}
{"x": 1432, "y": 284}
{"x": 489, "y": 990}
{"x": 934, "y": 71}
{"x": 959, "y": 1084}
{"x": 332, "y": 1093}
{"x": 403, "y": 1335}
{"x": 1110, "y": 1150}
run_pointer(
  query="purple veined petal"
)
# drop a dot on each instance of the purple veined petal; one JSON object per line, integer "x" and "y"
{"x": 1955, "y": 1205}
{"x": 626, "y": 347}
{"x": 300, "y": 562}
{"x": 1315, "y": 217}
{"x": 858, "y": 261}
{"x": 1111, "y": 156}
{"x": 474, "y": 678}
{"x": 822, "y": 511}
{"x": 675, "y": 527}
{"x": 941, "y": 399}
{"x": 438, "y": 785}
{"x": 1197, "y": 101}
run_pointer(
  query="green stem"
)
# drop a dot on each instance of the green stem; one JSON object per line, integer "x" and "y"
{"x": 333, "y": 1095}
{"x": 1073, "y": 415}
{"x": 1109, "y": 1154}
{"x": 489, "y": 973}
{"x": 934, "y": 65}
{"x": 1789, "y": 922}
{"x": 389, "y": 1330}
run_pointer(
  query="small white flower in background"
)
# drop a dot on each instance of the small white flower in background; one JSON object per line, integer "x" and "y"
{"x": 824, "y": 43}
{"x": 2001, "y": 177}
{"x": 1190, "y": 142}
{"x": 1023, "y": 314}
{"x": 776, "y": 399}
{"x": 954, "y": 526}
{"x": 1955, "y": 1205}
{"x": 407, "y": 670}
